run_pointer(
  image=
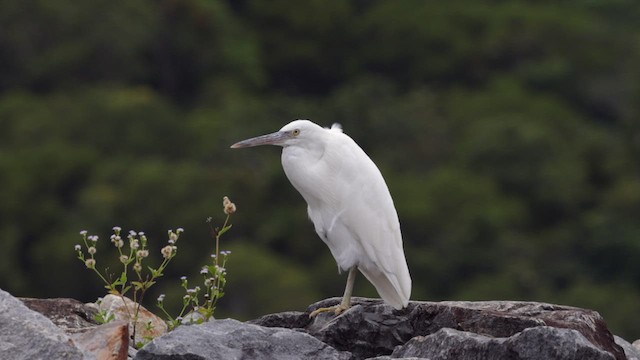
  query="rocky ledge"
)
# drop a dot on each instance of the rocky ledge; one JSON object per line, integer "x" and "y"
{"x": 369, "y": 330}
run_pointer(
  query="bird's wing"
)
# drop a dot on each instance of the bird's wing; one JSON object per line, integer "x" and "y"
{"x": 369, "y": 216}
{"x": 381, "y": 241}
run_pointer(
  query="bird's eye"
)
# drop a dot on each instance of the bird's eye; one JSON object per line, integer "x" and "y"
{"x": 295, "y": 132}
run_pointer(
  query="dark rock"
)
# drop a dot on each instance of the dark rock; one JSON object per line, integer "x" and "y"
{"x": 67, "y": 314}
{"x": 230, "y": 339}
{"x": 289, "y": 320}
{"x": 26, "y": 334}
{"x": 371, "y": 328}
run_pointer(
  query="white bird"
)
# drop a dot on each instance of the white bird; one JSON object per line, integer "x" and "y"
{"x": 349, "y": 204}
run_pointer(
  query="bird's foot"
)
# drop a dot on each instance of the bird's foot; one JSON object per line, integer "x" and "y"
{"x": 338, "y": 309}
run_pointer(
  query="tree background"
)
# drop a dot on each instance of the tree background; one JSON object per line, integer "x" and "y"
{"x": 508, "y": 133}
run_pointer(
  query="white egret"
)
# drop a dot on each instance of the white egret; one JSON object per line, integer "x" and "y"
{"x": 349, "y": 204}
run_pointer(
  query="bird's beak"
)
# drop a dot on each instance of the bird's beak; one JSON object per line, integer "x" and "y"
{"x": 275, "y": 138}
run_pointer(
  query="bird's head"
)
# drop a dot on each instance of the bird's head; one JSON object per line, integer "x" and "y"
{"x": 293, "y": 133}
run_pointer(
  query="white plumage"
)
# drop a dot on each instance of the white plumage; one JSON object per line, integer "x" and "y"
{"x": 349, "y": 204}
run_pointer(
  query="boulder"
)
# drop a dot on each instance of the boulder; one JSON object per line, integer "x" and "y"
{"x": 370, "y": 328}
{"x": 230, "y": 339}
{"x": 536, "y": 343}
{"x": 101, "y": 342}
{"x": 68, "y": 314}
{"x": 105, "y": 342}
{"x": 26, "y": 334}
{"x": 631, "y": 351}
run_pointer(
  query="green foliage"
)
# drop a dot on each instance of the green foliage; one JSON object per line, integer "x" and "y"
{"x": 507, "y": 132}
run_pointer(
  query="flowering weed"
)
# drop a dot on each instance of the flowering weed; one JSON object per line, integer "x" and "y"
{"x": 199, "y": 303}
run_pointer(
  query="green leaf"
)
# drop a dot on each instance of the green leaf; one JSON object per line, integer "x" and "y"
{"x": 224, "y": 230}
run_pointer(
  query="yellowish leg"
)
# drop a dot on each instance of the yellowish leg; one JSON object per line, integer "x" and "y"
{"x": 346, "y": 298}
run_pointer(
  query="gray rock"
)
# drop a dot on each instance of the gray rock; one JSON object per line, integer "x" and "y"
{"x": 538, "y": 343}
{"x": 26, "y": 334}
{"x": 631, "y": 351}
{"x": 77, "y": 320}
{"x": 371, "y": 328}
{"x": 230, "y": 339}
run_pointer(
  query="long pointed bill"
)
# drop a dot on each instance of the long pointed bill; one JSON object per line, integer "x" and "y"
{"x": 275, "y": 138}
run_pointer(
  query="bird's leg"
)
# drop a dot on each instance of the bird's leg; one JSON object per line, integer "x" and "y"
{"x": 346, "y": 298}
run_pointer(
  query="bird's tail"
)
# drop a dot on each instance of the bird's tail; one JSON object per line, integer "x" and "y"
{"x": 392, "y": 292}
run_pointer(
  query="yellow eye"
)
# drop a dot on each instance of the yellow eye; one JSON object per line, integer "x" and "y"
{"x": 295, "y": 132}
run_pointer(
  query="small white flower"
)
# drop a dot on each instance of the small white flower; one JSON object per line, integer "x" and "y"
{"x": 230, "y": 209}
{"x": 124, "y": 258}
{"x": 77, "y": 247}
{"x": 204, "y": 271}
{"x": 83, "y": 232}
{"x": 117, "y": 229}
{"x": 183, "y": 278}
{"x": 161, "y": 298}
{"x": 166, "y": 251}
{"x": 180, "y": 230}
{"x": 91, "y": 250}
{"x": 90, "y": 263}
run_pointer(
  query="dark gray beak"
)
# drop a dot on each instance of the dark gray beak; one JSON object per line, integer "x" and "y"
{"x": 276, "y": 138}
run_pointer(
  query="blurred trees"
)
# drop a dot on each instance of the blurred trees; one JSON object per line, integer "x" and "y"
{"x": 507, "y": 132}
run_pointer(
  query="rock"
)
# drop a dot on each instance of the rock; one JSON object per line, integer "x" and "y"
{"x": 148, "y": 326}
{"x": 230, "y": 339}
{"x": 68, "y": 314}
{"x": 630, "y": 351}
{"x": 26, "y": 334}
{"x": 371, "y": 328}
{"x": 537, "y": 343}
{"x": 106, "y": 342}
{"x": 491, "y": 330}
